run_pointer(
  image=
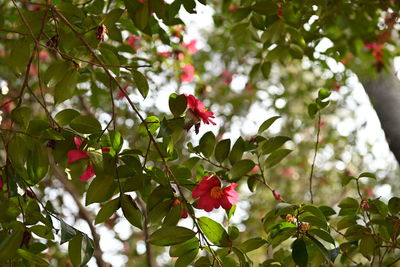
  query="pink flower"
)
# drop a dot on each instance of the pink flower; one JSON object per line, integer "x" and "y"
{"x": 191, "y": 46}
{"x": 212, "y": 196}
{"x": 279, "y": 13}
{"x": 75, "y": 155}
{"x": 1, "y": 182}
{"x": 184, "y": 211}
{"x": 187, "y": 73}
{"x": 198, "y": 111}
{"x": 276, "y": 195}
{"x": 227, "y": 75}
{"x": 44, "y": 55}
{"x": 141, "y": 1}
{"x": 33, "y": 70}
{"x": 133, "y": 41}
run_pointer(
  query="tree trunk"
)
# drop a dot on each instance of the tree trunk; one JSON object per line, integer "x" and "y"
{"x": 384, "y": 94}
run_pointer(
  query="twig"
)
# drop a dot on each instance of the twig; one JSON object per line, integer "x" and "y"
{"x": 315, "y": 156}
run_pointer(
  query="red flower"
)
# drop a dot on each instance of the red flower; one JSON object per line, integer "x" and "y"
{"x": 165, "y": 54}
{"x": 74, "y": 155}
{"x": 133, "y": 41}
{"x": 191, "y": 46}
{"x": 87, "y": 174}
{"x": 227, "y": 75}
{"x": 184, "y": 211}
{"x": 187, "y": 73}
{"x": 120, "y": 93}
{"x": 255, "y": 170}
{"x": 212, "y": 196}
{"x": 199, "y": 111}
{"x": 1, "y": 182}
{"x": 279, "y": 13}
{"x": 105, "y": 149}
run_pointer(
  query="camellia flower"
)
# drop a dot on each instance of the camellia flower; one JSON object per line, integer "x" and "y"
{"x": 184, "y": 211}
{"x": 198, "y": 111}
{"x": 1, "y": 182}
{"x": 187, "y": 73}
{"x": 212, "y": 196}
{"x": 233, "y": 8}
{"x": 191, "y": 46}
{"x": 133, "y": 41}
{"x": 77, "y": 154}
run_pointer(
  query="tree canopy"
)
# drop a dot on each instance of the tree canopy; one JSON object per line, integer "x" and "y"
{"x": 239, "y": 145}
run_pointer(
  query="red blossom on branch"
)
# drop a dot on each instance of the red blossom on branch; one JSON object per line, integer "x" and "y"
{"x": 227, "y": 75}
{"x": 77, "y": 154}
{"x": 276, "y": 195}
{"x": 212, "y": 196}
{"x": 376, "y": 49}
{"x": 198, "y": 111}
{"x": 6, "y": 105}
{"x": 133, "y": 41}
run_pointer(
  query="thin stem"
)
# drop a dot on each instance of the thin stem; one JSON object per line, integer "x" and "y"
{"x": 314, "y": 158}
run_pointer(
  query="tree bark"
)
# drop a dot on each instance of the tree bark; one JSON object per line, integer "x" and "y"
{"x": 384, "y": 94}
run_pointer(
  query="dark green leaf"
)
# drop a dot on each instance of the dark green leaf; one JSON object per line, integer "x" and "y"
{"x": 170, "y": 235}
{"x": 394, "y": 205}
{"x": 299, "y": 253}
{"x": 74, "y": 249}
{"x": 99, "y": 189}
{"x": 107, "y": 210}
{"x": 222, "y": 150}
{"x": 266, "y": 124}
{"x": 141, "y": 83}
{"x": 177, "y": 104}
{"x": 276, "y": 157}
{"x": 67, "y": 232}
{"x": 214, "y": 232}
{"x": 207, "y": 144}
{"x": 241, "y": 168}
{"x": 252, "y": 244}
{"x": 85, "y": 125}
{"x": 273, "y": 143}
{"x": 237, "y": 151}
{"x": 11, "y": 242}
{"x": 131, "y": 211}
{"x": 35, "y": 259}
{"x": 64, "y": 117}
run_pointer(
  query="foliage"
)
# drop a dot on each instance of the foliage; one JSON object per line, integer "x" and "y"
{"x": 81, "y": 110}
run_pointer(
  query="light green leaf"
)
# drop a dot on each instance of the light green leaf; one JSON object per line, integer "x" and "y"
{"x": 214, "y": 232}
{"x": 170, "y": 235}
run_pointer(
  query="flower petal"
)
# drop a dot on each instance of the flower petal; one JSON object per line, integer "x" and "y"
{"x": 78, "y": 142}
{"x": 89, "y": 173}
{"x": 207, "y": 203}
{"x": 74, "y": 155}
{"x": 205, "y": 185}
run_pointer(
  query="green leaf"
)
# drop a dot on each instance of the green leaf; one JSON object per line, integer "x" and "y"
{"x": 141, "y": 83}
{"x": 112, "y": 17}
{"x": 323, "y": 94}
{"x": 116, "y": 141}
{"x": 65, "y": 88}
{"x": 296, "y": 51}
{"x": 394, "y": 205}
{"x": 75, "y": 249}
{"x": 183, "y": 248}
{"x": 312, "y": 110}
{"x": 87, "y": 248}
{"x": 367, "y": 246}
{"x": 237, "y": 151}
{"x": 266, "y": 70}
{"x": 35, "y": 259}
{"x": 266, "y": 124}
{"x": 11, "y": 242}
{"x": 252, "y": 244}
{"x": 276, "y": 157}
{"x": 322, "y": 234}
{"x": 109, "y": 57}
{"x": 207, "y": 144}
{"x": 131, "y": 211}
{"x": 107, "y": 210}
{"x": 64, "y": 117}
{"x": 170, "y": 235}
{"x": 21, "y": 115}
{"x": 67, "y": 232}
{"x": 214, "y": 232}
{"x": 299, "y": 253}
{"x": 177, "y": 104}
{"x": 273, "y": 143}
{"x": 173, "y": 215}
{"x": 153, "y": 123}
{"x": 321, "y": 249}
{"x": 99, "y": 189}
{"x": 368, "y": 175}
{"x": 42, "y": 231}
{"x": 85, "y": 125}
{"x": 37, "y": 163}
{"x": 314, "y": 210}
{"x": 222, "y": 150}
{"x": 241, "y": 168}
{"x": 186, "y": 259}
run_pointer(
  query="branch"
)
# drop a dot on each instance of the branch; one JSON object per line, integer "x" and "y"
{"x": 315, "y": 156}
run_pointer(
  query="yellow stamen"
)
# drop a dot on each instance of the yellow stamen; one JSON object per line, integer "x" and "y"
{"x": 216, "y": 192}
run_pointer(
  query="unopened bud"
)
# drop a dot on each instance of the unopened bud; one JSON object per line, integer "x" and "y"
{"x": 289, "y": 218}
{"x": 304, "y": 226}
{"x": 365, "y": 204}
